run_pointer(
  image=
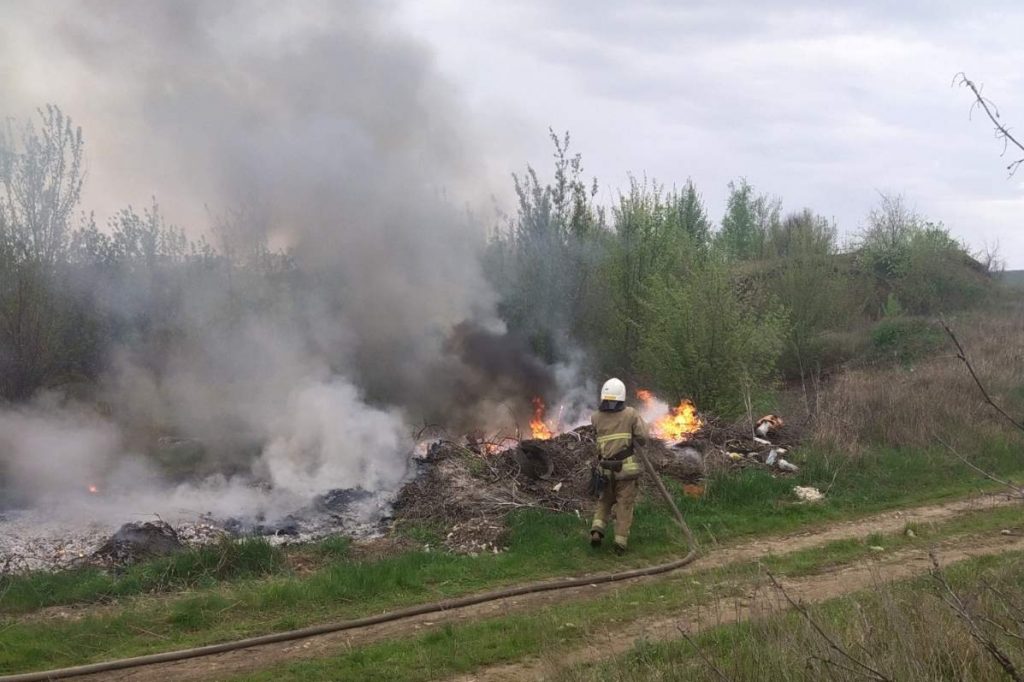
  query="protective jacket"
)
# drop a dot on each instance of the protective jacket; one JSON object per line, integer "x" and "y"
{"x": 617, "y": 433}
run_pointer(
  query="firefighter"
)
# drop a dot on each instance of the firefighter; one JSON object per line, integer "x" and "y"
{"x": 619, "y": 430}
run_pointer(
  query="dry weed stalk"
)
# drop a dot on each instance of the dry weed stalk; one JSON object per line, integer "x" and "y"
{"x": 853, "y": 664}
{"x": 1016, "y": 489}
{"x": 905, "y": 407}
{"x": 962, "y": 356}
{"x": 703, "y": 655}
{"x": 1002, "y": 133}
{"x": 965, "y": 614}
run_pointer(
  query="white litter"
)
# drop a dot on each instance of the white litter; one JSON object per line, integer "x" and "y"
{"x": 808, "y": 493}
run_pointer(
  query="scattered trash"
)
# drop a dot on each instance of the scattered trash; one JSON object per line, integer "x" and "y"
{"x": 689, "y": 458}
{"x": 1006, "y": 531}
{"x": 693, "y": 490}
{"x": 557, "y": 487}
{"x": 910, "y": 533}
{"x": 735, "y": 456}
{"x": 876, "y": 548}
{"x": 786, "y": 465}
{"x": 768, "y": 424}
{"x": 808, "y": 493}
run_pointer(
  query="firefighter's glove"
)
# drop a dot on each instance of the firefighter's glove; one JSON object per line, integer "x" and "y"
{"x": 597, "y": 482}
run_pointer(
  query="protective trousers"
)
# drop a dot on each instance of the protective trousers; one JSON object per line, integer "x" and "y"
{"x": 621, "y": 495}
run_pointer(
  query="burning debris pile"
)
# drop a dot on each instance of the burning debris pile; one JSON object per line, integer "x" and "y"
{"x": 470, "y": 486}
{"x": 467, "y": 485}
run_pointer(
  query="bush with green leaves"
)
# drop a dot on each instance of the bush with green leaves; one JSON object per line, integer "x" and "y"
{"x": 918, "y": 261}
{"x": 703, "y": 341}
{"x": 905, "y": 339}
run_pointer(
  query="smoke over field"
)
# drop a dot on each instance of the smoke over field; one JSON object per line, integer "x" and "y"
{"x": 339, "y": 300}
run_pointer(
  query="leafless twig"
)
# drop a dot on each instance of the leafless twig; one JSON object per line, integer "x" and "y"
{"x": 992, "y": 111}
{"x": 704, "y": 657}
{"x": 991, "y": 477}
{"x": 1006, "y": 601}
{"x": 960, "y": 608}
{"x": 829, "y": 663}
{"x": 962, "y": 356}
{"x": 832, "y": 644}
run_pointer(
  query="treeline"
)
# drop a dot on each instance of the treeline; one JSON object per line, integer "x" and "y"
{"x": 655, "y": 290}
{"x": 71, "y": 293}
{"x": 651, "y": 289}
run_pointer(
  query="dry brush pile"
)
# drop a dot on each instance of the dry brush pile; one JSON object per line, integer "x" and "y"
{"x": 470, "y": 490}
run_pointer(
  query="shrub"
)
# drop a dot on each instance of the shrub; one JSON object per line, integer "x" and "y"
{"x": 704, "y": 342}
{"x": 905, "y": 340}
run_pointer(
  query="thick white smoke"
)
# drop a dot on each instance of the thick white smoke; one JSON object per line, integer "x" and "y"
{"x": 321, "y": 129}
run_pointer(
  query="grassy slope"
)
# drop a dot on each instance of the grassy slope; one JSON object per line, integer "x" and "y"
{"x": 541, "y": 545}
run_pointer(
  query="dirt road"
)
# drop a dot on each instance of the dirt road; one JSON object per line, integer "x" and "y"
{"x": 848, "y": 579}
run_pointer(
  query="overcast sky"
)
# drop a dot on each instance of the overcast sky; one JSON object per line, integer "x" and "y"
{"x": 823, "y": 104}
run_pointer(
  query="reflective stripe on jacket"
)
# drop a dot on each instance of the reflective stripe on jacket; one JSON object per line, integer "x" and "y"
{"x": 615, "y": 434}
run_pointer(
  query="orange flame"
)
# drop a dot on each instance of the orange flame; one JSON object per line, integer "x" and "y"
{"x": 540, "y": 430}
{"x": 680, "y": 422}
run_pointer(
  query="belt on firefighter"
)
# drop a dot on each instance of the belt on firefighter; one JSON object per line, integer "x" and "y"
{"x": 614, "y": 463}
{"x": 619, "y": 456}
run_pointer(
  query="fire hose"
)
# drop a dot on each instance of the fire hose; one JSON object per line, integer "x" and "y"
{"x": 434, "y": 607}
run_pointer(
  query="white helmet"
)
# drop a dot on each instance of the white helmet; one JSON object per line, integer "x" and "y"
{"x": 613, "y": 389}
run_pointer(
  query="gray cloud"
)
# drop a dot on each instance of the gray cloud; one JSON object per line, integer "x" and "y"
{"x": 822, "y": 104}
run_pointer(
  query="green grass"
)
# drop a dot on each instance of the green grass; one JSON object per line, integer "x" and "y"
{"x": 455, "y": 649}
{"x": 206, "y": 617}
{"x": 197, "y": 568}
{"x": 901, "y": 629}
{"x": 541, "y": 545}
{"x": 736, "y": 505}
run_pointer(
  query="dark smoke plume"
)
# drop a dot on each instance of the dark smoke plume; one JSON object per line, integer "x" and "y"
{"x": 313, "y": 127}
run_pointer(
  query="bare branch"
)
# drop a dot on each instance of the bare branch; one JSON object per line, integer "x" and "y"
{"x": 962, "y": 355}
{"x": 992, "y": 111}
{"x": 828, "y": 663}
{"x": 991, "y": 477}
{"x": 1006, "y": 601}
{"x": 962, "y": 611}
{"x": 833, "y": 645}
{"x": 704, "y": 657}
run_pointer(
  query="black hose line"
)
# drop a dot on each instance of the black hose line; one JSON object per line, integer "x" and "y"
{"x": 434, "y": 607}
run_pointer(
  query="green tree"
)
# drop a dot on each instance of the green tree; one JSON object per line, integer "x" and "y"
{"x": 747, "y": 222}
{"x": 543, "y": 260}
{"x": 41, "y": 178}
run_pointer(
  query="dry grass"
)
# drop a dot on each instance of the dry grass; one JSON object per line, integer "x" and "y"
{"x": 904, "y": 631}
{"x": 908, "y": 406}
